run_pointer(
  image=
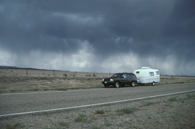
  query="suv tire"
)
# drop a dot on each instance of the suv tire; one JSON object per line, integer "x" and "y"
{"x": 117, "y": 84}
{"x": 132, "y": 84}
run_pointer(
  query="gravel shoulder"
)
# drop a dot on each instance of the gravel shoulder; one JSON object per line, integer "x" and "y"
{"x": 176, "y": 111}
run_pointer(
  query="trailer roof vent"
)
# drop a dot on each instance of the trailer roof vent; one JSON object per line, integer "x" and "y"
{"x": 145, "y": 67}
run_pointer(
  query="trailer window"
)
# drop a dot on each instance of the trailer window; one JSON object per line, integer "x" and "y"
{"x": 151, "y": 73}
{"x": 157, "y": 72}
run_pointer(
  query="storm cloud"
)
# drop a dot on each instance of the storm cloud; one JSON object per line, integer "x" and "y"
{"x": 99, "y": 35}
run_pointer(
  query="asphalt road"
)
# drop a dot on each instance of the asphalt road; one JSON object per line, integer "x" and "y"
{"x": 35, "y": 101}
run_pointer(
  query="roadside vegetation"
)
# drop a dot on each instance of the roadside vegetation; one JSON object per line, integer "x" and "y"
{"x": 14, "y": 80}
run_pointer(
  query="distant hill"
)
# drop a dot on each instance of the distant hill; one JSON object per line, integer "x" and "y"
{"x": 8, "y": 67}
{"x": 14, "y": 67}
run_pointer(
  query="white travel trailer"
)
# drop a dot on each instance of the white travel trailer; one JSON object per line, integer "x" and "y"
{"x": 147, "y": 75}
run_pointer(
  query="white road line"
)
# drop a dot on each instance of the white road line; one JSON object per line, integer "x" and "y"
{"x": 91, "y": 105}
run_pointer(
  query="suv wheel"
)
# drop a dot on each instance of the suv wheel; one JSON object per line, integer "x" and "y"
{"x": 117, "y": 84}
{"x": 153, "y": 83}
{"x": 132, "y": 84}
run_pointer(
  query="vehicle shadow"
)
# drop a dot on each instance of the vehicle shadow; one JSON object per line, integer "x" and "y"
{"x": 137, "y": 85}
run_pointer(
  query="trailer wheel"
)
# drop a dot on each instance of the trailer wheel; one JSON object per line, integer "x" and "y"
{"x": 117, "y": 84}
{"x": 133, "y": 84}
{"x": 153, "y": 83}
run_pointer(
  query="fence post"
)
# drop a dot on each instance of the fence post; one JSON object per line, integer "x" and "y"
{"x": 26, "y": 72}
{"x": 53, "y": 72}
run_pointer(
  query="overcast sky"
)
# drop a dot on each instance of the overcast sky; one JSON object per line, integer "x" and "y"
{"x": 99, "y": 35}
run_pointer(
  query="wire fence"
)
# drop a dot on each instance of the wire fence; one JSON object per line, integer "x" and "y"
{"x": 177, "y": 75}
{"x": 60, "y": 73}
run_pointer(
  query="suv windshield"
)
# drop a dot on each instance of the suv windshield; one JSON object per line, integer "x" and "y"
{"x": 116, "y": 75}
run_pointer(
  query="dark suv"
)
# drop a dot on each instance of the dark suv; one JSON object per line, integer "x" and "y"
{"x": 120, "y": 79}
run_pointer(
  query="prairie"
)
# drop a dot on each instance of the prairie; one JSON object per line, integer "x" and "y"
{"x": 23, "y": 80}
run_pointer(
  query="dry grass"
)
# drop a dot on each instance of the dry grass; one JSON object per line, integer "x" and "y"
{"x": 19, "y": 80}
{"x": 49, "y": 73}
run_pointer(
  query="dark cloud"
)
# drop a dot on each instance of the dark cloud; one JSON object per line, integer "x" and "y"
{"x": 112, "y": 27}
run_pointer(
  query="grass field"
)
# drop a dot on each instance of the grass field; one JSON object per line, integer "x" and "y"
{"x": 22, "y": 80}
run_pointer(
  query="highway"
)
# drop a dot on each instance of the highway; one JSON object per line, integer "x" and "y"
{"x": 11, "y": 103}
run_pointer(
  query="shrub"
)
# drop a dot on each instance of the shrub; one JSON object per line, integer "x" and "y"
{"x": 95, "y": 127}
{"x": 150, "y": 103}
{"x": 65, "y": 75}
{"x": 81, "y": 118}
{"x": 63, "y": 123}
{"x": 99, "y": 112}
{"x": 172, "y": 99}
{"x": 106, "y": 122}
{"x": 62, "y": 89}
{"x": 126, "y": 110}
{"x": 17, "y": 125}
